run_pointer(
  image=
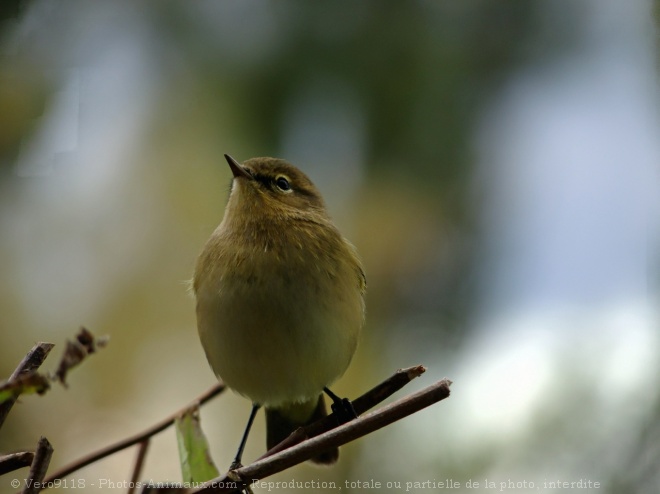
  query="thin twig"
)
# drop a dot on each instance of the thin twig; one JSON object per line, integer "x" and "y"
{"x": 365, "y": 402}
{"x": 14, "y": 461}
{"x": 237, "y": 479}
{"x": 31, "y": 362}
{"x": 137, "y": 438}
{"x": 139, "y": 463}
{"x": 34, "y": 482}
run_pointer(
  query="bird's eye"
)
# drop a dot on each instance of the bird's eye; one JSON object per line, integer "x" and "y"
{"x": 283, "y": 184}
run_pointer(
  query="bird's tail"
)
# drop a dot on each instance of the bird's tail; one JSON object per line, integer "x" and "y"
{"x": 280, "y": 422}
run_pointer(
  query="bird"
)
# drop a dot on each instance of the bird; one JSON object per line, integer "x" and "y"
{"x": 280, "y": 299}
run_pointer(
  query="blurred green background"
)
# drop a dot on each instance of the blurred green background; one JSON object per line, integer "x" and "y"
{"x": 495, "y": 163}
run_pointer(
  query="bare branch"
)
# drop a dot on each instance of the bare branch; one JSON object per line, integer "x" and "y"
{"x": 137, "y": 438}
{"x": 336, "y": 437}
{"x": 31, "y": 362}
{"x": 14, "y": 461}
{"x": 34, "y": 482}
{"x": 365, "y": 402}
{"x": 139, "y": 463}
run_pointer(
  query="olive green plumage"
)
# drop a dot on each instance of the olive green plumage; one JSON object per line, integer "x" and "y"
{"x": 280, "y": 295}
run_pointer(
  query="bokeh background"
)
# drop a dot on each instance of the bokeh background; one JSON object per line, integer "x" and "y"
{"x": 495, "y": 163}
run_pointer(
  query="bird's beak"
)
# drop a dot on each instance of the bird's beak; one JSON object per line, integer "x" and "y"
{"x": 237, "y": 169}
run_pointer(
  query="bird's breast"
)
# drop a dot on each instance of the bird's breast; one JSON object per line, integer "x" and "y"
{"x": 278, "y": 320}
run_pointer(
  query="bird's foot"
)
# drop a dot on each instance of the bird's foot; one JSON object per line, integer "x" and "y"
{"x": 341, "y": 407}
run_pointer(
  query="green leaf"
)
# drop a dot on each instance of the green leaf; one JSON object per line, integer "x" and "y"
{"x": 196, "y": 462}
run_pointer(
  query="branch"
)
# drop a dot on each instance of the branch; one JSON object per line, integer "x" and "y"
{"x": 34, "y": 482}
{"x": 31, "y": 362}
{"x": 14, "y": 461}
{"x": 139, "y": 463}
{"x": 365, "y": 402}
{"x": 238, "y": 479}
{"x": 138, "y": 438}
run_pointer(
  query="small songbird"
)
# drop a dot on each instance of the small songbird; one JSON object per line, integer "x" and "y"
{"x": 280, "y": 298}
